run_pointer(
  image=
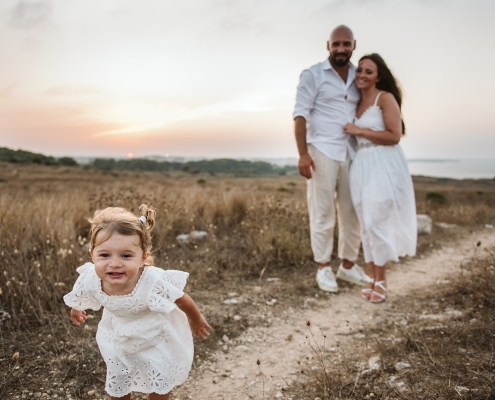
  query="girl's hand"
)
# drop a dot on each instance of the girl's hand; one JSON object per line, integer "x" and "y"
{"x": 198, "y": 323}
{"x": 200, "y": 327}
{"x": 78, "y": 317}
{"x": 351, "y": 129}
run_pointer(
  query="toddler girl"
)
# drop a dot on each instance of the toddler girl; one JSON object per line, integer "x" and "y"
{"x": 144, "y": 334}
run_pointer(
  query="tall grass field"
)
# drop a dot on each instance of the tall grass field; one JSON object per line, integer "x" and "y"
{"x": 257, "y": 226}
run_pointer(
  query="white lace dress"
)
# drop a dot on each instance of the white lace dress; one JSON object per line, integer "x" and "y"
{"x": 383, "y": 195}
{"x": 144, "y": 338}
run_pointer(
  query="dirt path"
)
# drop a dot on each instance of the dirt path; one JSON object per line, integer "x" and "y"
{"x": 233, "y": 373}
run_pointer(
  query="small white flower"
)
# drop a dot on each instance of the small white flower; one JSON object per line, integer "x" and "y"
{"x": 177, "y": 374}
{"x": 155, "y": 378}
{"x": 112, "y": 381}
{"x": 134, "y": 305}
{"x": 137, "y": 378}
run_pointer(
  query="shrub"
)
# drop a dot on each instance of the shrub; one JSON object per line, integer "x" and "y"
{"x": 68, "y": 161}
{"x": 436, "y": 197}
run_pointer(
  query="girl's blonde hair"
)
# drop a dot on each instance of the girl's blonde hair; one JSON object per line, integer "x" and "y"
{"x": 122, "y": 221}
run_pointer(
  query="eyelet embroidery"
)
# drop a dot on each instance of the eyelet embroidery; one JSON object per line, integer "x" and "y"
{"x": 144, "y": 351}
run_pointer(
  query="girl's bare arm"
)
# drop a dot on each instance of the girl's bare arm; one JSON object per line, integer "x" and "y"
{"x": 198, "y": 323}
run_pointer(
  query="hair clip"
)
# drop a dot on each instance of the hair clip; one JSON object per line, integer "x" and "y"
{"x": 142, "y": 218}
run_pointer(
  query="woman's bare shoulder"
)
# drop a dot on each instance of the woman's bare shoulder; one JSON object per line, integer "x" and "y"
{"x": 387, "y": 101}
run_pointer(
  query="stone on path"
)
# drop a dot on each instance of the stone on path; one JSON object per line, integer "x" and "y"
{"x": 424, "y": 224}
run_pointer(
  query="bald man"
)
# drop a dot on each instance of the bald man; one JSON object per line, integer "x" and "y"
{"x": 326, "y": 100}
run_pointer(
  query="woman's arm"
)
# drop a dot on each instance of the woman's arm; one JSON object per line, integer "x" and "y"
{"x": 393, "y": 123}
{"x": 198, "y": 323}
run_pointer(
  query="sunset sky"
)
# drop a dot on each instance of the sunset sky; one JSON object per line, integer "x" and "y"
{"x": 217, "y": 78}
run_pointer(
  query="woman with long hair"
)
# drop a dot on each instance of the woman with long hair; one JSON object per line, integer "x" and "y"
{"x": 381, "y": 185}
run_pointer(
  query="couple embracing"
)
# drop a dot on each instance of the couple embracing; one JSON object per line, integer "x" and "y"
{"x": 348, "y": 126}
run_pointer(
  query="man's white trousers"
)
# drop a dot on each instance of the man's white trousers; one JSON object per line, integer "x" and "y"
{"x": 327, "y": 188}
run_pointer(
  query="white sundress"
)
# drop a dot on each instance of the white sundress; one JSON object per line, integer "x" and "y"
{"x": 383, "y": 195}
{"x": 144, "y": 338}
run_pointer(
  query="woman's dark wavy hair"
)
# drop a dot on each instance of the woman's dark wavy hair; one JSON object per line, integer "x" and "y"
{"x": 387, "y": 81}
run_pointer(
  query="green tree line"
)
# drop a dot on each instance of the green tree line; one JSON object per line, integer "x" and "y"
{"x": 222, "y": 165}
{"x": 26, "y": 157}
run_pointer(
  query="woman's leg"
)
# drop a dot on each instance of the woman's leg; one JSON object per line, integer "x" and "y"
{"x": 368, "y": 288}
{"x": 156, "y": 396}
{"x": 380, "y": 278}
{"x": 370, "y": 269}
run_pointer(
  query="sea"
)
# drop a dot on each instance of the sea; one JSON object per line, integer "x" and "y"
{"x": 453, "y": 168}
{"x": 432, "y": 167}
{"x": 438, "y": 168}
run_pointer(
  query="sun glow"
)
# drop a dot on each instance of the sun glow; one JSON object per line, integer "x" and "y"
{"x": 135, "y": 118}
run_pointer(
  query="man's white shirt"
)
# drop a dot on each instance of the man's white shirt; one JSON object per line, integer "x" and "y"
{"x": 327, "y": 103}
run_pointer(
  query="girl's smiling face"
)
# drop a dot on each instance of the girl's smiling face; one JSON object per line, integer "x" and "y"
{"x": 118, "y": 262}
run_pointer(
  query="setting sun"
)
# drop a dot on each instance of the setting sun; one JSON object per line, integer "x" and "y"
{"x": 130, "y": 155}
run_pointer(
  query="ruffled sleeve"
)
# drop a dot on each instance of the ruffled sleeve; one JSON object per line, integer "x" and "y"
{"x": 166, "y": 289}
{"x": 82, "y": 296}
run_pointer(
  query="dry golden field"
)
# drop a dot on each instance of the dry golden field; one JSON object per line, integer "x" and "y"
{"x": 257, "y": 227}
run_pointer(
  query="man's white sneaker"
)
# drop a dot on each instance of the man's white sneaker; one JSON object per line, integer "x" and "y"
{"x": 353, "y": 275}
{"x": 326, "y": 280}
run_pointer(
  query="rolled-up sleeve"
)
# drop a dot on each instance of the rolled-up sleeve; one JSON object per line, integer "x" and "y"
{"x": 306, "y": 92}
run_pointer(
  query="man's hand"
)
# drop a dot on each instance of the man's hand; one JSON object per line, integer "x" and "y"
{"x": 78, "y": 317}
{"x": 305, "y": 165}
{"x": 200, "y": 327}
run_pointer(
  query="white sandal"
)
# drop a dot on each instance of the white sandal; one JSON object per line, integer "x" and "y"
{"x": 381, "y": 296}
{"x": 366, "y": 292}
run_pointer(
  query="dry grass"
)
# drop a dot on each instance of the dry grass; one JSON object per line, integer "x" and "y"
{"x": 447, "y": 338}
{"x": 256, "y": 226}
{"x": 467, "y": 202}
{"x": 252, "y": 227}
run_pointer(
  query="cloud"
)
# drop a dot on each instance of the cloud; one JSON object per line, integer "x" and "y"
{"x": 338, "y": 5}
{"x": 28, "y": 14}
{"x": 243, "y": 23}
{"x": 143, "y": 118}
{"x": 73, "y": 90}
{"x": 376, "y": 4}
{"x": 7, "y": 90}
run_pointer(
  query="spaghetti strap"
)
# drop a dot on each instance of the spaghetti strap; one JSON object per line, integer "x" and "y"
{"x": 377, "y": 97}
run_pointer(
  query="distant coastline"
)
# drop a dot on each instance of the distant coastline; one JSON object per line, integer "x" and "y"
{"x": 453, "y": 168}
{"x": 432, "y": 160}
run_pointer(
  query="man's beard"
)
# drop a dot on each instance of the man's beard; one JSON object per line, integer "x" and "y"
{"x": 340, "y": 62}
